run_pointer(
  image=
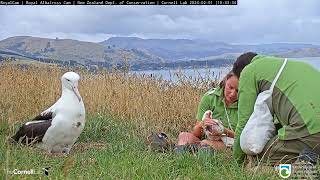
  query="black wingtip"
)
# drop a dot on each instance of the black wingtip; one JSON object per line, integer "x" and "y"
{"x": 20, "y": 134}
{"x": 32, "y": 132}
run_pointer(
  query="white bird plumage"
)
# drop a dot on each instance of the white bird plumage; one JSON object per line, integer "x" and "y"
{"x": 216, "y": 128}
{"x": 68, "y": 117}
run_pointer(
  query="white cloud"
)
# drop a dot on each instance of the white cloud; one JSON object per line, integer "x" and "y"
{"x": 248, "y": 22}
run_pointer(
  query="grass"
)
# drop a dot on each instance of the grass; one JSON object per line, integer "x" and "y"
{"x": 121, "y": 112}
{"x": 151, "y": 101}
{"x": 112, "y": 149}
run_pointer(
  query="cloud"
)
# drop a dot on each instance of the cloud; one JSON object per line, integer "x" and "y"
{"x": 248, "y": 22}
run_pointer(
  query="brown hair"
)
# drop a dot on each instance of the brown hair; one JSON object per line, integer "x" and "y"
{"x": 242, "y": 61}
{"x": 223, "y": 82}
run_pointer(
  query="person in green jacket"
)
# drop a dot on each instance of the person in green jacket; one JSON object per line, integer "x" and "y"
{"x": 222, "y": 101}
{"x": 295, "y": 103}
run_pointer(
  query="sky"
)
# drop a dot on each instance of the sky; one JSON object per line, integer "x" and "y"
{"x": 249, "y": 22}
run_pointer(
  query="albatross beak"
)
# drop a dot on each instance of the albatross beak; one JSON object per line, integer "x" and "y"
{"x": 76, "y": 92}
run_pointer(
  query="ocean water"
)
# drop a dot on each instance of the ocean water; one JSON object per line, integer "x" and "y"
{"x": 208, "y": 73}
{"x": 175, "y": 74}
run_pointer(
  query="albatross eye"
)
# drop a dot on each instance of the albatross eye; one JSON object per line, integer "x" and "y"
{"x": 67, "y": 79}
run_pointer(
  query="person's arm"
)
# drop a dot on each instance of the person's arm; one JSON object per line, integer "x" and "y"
{"x": 204, "y": 105}
{"x": 198, "y": 130}
{"x": 228, "y": 132}
{"x": 247, "y": 97}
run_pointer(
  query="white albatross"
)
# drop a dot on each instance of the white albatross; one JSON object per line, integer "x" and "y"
{"x": 57, "y": 128}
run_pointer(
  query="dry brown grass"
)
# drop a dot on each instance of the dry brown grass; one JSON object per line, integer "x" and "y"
{"x": 154, "y": 103}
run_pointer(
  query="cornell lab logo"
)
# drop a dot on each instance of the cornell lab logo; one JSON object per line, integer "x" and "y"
{"x": 285, "y": 170}
{"x": 46, "y": 170}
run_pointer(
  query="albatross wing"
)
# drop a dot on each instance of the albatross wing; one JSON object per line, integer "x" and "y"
{"x": 32, "y": 132}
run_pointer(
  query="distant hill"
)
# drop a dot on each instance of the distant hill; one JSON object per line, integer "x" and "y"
{"x": 141, "y": 53}
{"x": 72, "y": 51}
{"x": 304, "y": 52}
{"x": 184, "y": 49}
{"x": 171, "y": 49}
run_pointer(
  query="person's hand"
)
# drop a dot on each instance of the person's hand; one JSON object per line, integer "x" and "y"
{"x": 208, "y": 122}
{"x": 229, "y": 132}
{"x": 213, "y": 127}
{"x": 216, "y": 133}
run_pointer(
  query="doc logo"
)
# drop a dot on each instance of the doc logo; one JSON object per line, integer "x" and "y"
{"x": 285, "y": 170}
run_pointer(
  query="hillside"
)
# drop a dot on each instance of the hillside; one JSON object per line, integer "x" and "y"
{"x": 171, "y": 49}
{"x": 141, "y": 54}
{"x": 184, "y": 49}
{"x": 311, "y": 52}
{"x": 74, "y": 51}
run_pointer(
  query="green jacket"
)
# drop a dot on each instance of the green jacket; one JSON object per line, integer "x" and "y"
{"x": 295, "y": 98}
{"x": 214, "y": 100}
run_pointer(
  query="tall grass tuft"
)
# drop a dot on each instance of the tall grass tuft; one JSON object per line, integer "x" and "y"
{"x": 151, "y": 102}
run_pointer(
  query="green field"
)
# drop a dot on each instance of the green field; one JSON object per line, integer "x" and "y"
{"x": 121, "y": 112}
{"x": 113, "y": 149}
